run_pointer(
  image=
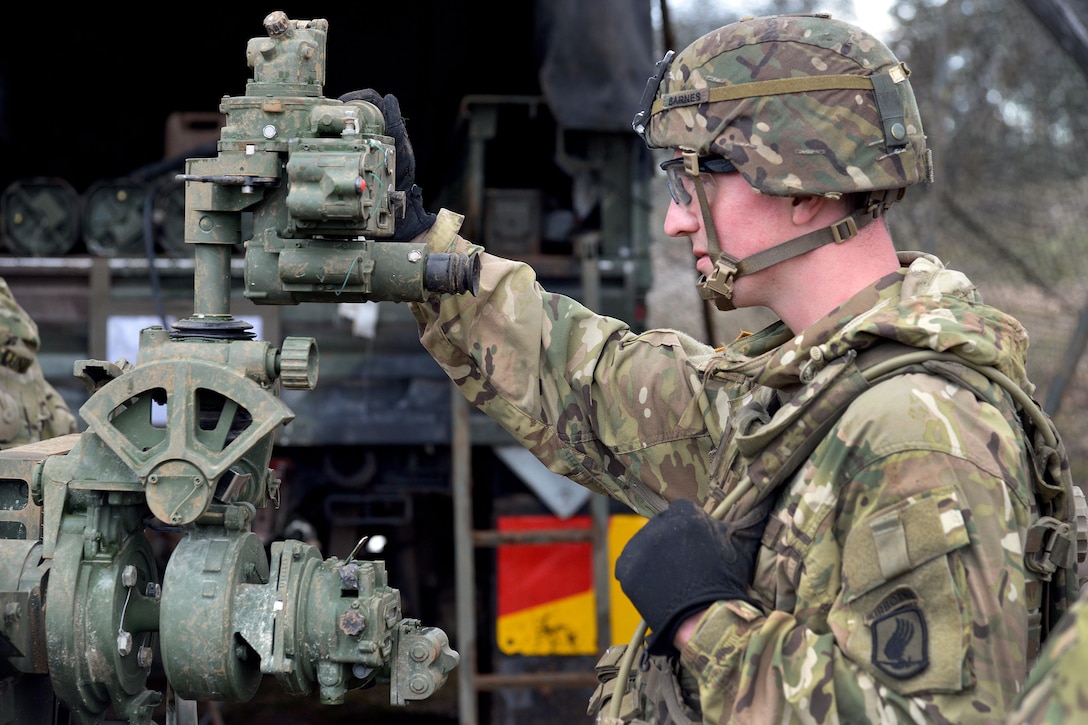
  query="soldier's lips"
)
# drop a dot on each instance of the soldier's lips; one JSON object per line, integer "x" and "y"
{"x": 704, "y": 266}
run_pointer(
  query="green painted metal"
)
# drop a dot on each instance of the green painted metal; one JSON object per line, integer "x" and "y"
{"x": 40, "y": 217}
{"x": 182, "y": 440}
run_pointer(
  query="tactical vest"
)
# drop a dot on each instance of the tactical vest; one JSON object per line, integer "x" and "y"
{"x": 771, "y": 442}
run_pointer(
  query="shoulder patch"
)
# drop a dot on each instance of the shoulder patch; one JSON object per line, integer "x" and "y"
{"x": 900, "y": 638}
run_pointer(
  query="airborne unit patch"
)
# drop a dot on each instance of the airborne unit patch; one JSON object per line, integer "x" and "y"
{"x": 900, "y": 639}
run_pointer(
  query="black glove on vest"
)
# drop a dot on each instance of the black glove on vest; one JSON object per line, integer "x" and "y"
{"x": 682, "y": 561}
{"x": 415, "y": 220}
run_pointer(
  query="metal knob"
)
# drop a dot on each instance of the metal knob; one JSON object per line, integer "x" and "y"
{"x": 298, "y": 363}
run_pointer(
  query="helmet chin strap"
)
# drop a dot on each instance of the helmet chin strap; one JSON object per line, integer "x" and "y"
{"x": 718, "y": 286}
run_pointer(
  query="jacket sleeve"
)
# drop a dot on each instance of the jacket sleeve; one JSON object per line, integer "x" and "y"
{"x": 622, "y": 413}
{"x": 1056, "y": 690}
{"x": 902, "y": 592}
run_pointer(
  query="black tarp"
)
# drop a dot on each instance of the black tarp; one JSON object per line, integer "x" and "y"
{"x": 86, "y": 95}
{"x": 595, "y": 59}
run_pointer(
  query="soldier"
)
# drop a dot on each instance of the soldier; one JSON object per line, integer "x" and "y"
{"x": 1056, "y": 692}
{"x": 828, "y": 543}
{"x": 31, "y": 409}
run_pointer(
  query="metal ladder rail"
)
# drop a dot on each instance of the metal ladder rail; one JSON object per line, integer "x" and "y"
{"x": 467, "y": 539}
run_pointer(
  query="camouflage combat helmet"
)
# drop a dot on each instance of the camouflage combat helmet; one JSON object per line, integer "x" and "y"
{"x": 800, "y": 105}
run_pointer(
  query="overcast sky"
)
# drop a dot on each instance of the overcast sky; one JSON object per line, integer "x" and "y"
{"x": 873, "y": 15}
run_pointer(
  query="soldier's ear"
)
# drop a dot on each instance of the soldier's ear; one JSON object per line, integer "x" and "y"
{"x": 806, "y": 208}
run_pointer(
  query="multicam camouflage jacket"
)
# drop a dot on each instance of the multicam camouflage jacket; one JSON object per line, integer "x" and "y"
{"x": 1057, "y": 691}
{"x": 31, "y": 409}
{"x": 892, "y": 578}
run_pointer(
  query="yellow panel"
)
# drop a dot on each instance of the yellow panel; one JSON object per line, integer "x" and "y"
{"x": 565, "y": 626}
{"x": 625, "y": 618}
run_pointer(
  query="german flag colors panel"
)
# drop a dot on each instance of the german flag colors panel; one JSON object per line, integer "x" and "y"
{"x": 546, "y": 603}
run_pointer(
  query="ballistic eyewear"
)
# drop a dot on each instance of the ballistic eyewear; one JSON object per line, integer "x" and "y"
{"x": 679, "y": 179}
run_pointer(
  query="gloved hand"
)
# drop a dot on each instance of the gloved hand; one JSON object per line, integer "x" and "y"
{"x": 682, "y": 561}
{"x": 414, "y": 220}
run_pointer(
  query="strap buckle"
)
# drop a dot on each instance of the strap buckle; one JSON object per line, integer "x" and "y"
{"x": 720, "y": 280}
{"x": 691, "y": 162}
{"x": 1051, "y": 545}
{"x": 881, "y": 200}
{"x": 844, "y": 229}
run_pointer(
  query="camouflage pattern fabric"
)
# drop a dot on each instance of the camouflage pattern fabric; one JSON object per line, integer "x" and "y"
{"x": 778, "y": 139}
{"x": 573, "y": 386}
{"x": 1057, "y": 690}
{"x": 31, "y": 409}
{"x": 891, "y": 578}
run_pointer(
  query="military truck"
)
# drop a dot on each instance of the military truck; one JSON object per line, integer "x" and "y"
{"x": 377, "y": 462}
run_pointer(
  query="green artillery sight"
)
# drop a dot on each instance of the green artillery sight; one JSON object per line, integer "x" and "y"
{"x": 183, "y": 439}
{"x": 309, "y": 213}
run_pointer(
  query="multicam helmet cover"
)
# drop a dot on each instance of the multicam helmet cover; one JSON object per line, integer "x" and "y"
{"x": 801, "y": 104}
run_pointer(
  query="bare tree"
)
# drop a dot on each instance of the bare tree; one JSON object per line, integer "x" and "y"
{"x": 1068, "y": 23}
{"x": 1002, "y": 87}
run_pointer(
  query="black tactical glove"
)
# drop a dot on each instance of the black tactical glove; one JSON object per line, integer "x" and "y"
{"x": 412, "y": 219}
{"x": 682, "y": 561}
